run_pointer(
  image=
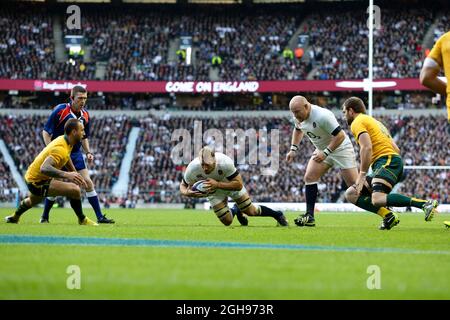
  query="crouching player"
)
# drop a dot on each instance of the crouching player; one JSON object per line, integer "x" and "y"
{"x": 378, "y": 151}
{"x": 46, "y": 168}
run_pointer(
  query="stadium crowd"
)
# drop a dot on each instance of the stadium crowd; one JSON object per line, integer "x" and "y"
{"x": 26, "y": 43}
{"x": 342, "y": 53}
{"x": 155, "y": 175}
{"x": 23, "y": 136}
{"x": 8, "y": 187}
{"x": 249, "y": 45}
{"x": 442, "y": 25}
{"x": 232, "y": 102}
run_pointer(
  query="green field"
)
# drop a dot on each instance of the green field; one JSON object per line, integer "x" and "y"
{"x": 326, "y": 262}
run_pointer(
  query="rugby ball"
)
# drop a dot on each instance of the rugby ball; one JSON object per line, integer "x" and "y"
{"x": 199, "y": 186}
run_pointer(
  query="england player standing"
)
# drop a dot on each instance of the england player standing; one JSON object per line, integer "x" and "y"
{"x": 224, "y": 181}
{"x": 55, "y": 128}
{"x": 333, "y": 149}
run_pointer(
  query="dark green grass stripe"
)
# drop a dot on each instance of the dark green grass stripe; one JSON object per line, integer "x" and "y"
{"x": 90, "y": 241}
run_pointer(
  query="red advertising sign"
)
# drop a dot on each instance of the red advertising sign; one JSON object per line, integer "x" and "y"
{"x": 212, "y": 87}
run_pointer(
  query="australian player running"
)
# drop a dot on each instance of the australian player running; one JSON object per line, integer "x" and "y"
{"x": 380, "y": 152}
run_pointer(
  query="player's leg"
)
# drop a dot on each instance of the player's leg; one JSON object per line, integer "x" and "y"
{"x": 92, "y": 196}
{"x": 380, "y": 189}
{"x": 236, "y": 212}
{"x": 25, "y": 204}
{"x": 219, "y": 203}
{"x": 364, "y": 200}
{"x": 388, "y": 171}
{"x": 314, "y": 171}
{"x": 245, "y": 205}
{"x": 382, "y": 196}
{"x": 73, "y": 192}
{"x": 48, "y": 205}
{"x": 221, "y": 209}
{"x": 49, "y": 202}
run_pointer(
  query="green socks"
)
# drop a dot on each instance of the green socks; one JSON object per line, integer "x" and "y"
{"x": 365, "y": 202}
{"x": 399, "y": 200}
{"x": 21, "y": 209}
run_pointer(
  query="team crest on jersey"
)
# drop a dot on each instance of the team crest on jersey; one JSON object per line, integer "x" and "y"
{"x": 220, "y": 172}
{"x": 314, "y": 125}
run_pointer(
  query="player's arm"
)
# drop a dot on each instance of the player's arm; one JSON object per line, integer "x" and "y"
{"x": 234, "y": 183}
{"x": 365, "y": 152}
{"x": 48, "y": 168}
{"x": 336, "y": 140}
{"x": 85, "y": 142}
{"x": 70, "y": 166}
{"x": 49, "y": 127}
{"x": 185, "y": 190}
{"x": 47, "y": 137}
{"x": 331, "y": 126}
{"x": 87, "y": 149}
{"x": 394, "y": 145}
{"x": 297, "y": 136}
{"x": 429, "y": 76}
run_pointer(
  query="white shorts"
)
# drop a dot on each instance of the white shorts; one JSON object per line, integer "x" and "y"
{"x": 221, "y": 195}
{"x": 342, "y": 159}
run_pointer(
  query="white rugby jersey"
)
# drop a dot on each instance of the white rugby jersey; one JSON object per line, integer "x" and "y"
{"x": 224, "y": 170}
{"x": 320, "y": 127}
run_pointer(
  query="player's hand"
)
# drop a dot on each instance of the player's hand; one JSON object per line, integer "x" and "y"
{"x": 211, "y": 185}
{"x": 76, "y": 178}
{"x": 318, "y": 156}
{"x": 290, "y": 156}
{"x": 194, "y": 194}
{"x": 359, "y": 184}
{"x": 90, "y": 157}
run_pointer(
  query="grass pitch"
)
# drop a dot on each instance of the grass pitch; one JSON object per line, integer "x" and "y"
{"x": 187, "y": 254}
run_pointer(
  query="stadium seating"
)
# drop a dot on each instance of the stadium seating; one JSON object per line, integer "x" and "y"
{"x": 26, "y": 42}
{"x": 262, "y": 102}
{"x": 442, "y": 25}
{"x": 8, "y": 187}
{"x": 342, "y": 54}
{"x": 161, "y": 174}
{"x": 154, "y": 177}
{"x": 23, "y": 136}
{"x": 135, "y": 44}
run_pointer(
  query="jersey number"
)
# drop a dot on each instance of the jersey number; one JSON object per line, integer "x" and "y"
{"x": 312, "y": 135}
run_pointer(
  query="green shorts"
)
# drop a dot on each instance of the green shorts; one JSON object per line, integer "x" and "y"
{"x": 40, "y": 188}
{"x": 389, "y": 168}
